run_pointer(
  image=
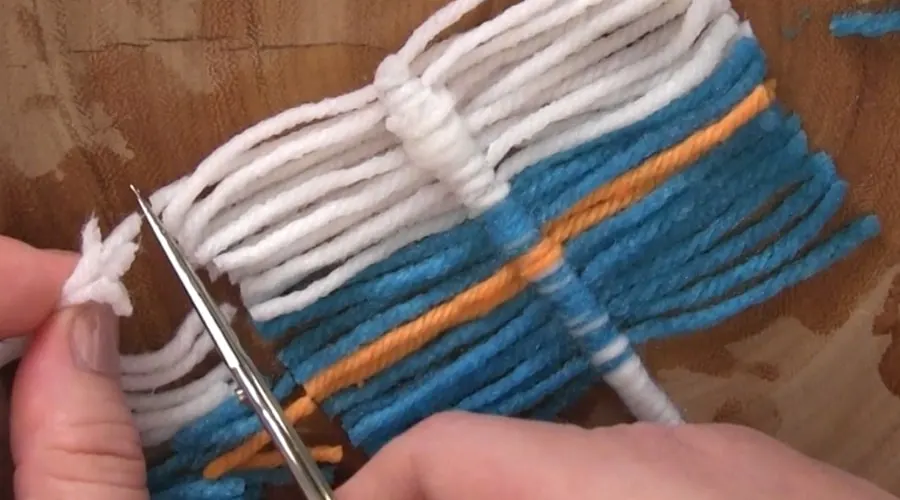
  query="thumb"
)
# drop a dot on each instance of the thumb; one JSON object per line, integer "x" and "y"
{"x": 72, "y": 434}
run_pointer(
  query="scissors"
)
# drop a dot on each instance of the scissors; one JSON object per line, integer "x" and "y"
{"x": 252, "y": 390}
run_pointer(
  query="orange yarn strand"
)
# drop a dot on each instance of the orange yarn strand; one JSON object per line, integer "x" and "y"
{"x": 272, "y": 459}
{"x": 508, "y": 281}
{"x": 539, "y": 260}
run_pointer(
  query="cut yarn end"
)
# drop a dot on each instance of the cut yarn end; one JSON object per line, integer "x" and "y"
{"x": 98, "y": 275}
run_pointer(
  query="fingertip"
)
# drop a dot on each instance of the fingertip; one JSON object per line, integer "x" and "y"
{"x": 72, "y": 431}
{"x": 37, "y": 277}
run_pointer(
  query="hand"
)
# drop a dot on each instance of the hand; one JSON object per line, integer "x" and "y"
{"x": 71, "y": 432}
{"x": 455, "y": 456}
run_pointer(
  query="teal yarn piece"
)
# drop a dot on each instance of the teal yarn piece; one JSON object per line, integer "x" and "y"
{"x": 865, "y": 24}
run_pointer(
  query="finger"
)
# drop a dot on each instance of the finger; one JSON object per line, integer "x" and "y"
{"x": 5, "y": 460}
{"x": 460, "y": 455}
{"x": 72, "y": 434}
{"x": 32, "y": 280}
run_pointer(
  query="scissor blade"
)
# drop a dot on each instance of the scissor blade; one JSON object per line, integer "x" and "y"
{"x": 256, "y": 393}
{"x": 216, "y": 323}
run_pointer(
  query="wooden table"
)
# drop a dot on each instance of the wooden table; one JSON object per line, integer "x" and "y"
{"x": 99, "y": 93}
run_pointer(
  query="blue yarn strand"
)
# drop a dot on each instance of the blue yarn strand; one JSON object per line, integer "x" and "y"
{"x": 778, "y": 178}
{"x": 669, "y": 277}
{"x": 771, "y": 258}
{"x": 422, "y": 362}
{"x": 224, "y": 488}
{"x": 529, "y": 370}
{"x": 550, "y": 408}
{"x": 866, "y": 24}
{"x": 210, "y": 428}
{"x": 650, "y": 297}
{"x": 698, "y": 204}
{"x": 522, "y": 401}
{"x": 834, "y": 249}
{"x": 443, "y": 386}
{"x": 677, "y": 260}
{"x": 305, "y": 362}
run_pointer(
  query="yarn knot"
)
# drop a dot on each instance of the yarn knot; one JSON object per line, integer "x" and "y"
{"x": 435, "y": 137}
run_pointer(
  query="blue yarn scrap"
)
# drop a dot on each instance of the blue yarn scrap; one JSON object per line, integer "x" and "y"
{"x": 866, "y": 24}
{"x": 697, "y": 250}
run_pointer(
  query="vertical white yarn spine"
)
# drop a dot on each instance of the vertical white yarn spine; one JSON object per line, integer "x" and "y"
{"x": 641, "y": 394}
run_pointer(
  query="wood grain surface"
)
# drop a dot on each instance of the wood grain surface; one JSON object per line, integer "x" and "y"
{"x": 97, "y": 94}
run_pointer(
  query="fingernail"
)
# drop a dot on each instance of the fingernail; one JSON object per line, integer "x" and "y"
{"x": 95, "y": 340}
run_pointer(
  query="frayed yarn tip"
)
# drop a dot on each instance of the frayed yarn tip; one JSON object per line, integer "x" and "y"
{"x": 98, "y": 275}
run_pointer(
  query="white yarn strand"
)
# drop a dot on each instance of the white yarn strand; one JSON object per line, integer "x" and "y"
{"x": 302, "y": 298}
{"x": 155, "y": 401}
{"x": 694, "y": 23}
{"x": 282, "y": 277}
{"x": 157, "y": 426}
{"x": 573, "y": 41}
{"x": 705, "y": 60}
{"x": 185, "y": 338}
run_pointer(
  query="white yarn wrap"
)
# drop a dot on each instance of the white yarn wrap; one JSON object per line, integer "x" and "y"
{"x": 435, "y": 137}
{"x": 340, "y": 184}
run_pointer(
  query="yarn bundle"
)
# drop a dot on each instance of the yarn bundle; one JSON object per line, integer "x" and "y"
{"x": 493, "y": 225}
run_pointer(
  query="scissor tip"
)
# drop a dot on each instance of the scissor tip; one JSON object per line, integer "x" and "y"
{"x": 142, "y": 203}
